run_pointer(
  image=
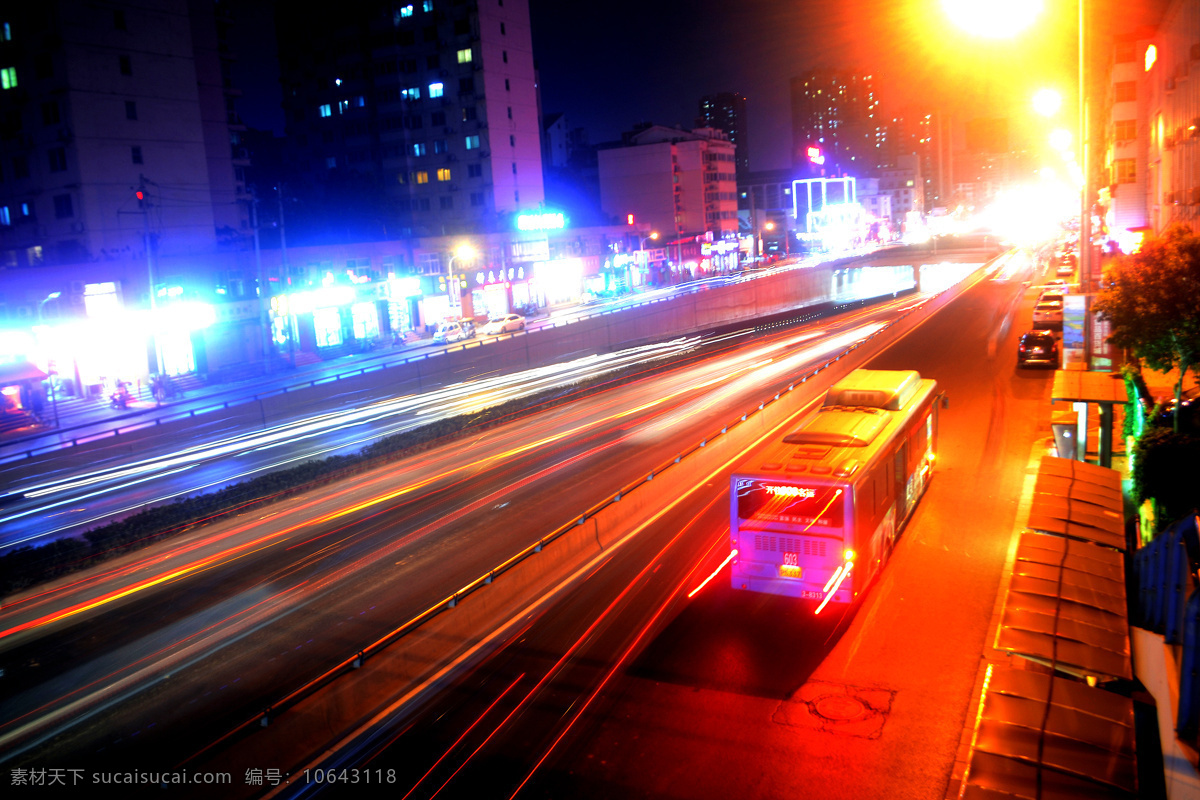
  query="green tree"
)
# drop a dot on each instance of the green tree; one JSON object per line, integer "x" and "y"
{"x": 1152, "y": 300}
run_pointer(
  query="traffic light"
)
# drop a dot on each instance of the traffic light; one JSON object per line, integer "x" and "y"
{"x": 629, "y": 219}
{"x": 141, "y": 198}
{"x": 814, "y": 155}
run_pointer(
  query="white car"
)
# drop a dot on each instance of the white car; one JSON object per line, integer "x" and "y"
{"x": 504, "y": 323}
{"x": 449, "y": 332}
{"x": 1048, "y": 314}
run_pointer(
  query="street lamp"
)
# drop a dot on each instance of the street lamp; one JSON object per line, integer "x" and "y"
{"x": 53, "y": 396}
{"x": 642, "y": 248}
{"x": 464, "y": 252}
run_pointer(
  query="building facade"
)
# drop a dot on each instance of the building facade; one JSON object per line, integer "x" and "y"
{"x": 726, "y": 111}
{"x": 100, "y": 103}
{"x": 837, "y": 112}
{"x": 413, "y": 118}
{"x": 681, "y": 182}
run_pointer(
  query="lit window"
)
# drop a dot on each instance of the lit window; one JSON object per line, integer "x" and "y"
{"x": 439, "y": 145}
{"x": 464, "y": 56}
{"x": 8, "y": 78}
{"x": 435, "y": 90}
{"x": 419, "y": 149}
{"x": 413, "y": 93}
{"x": 406, "y": 11}
{"x": 6, "y": 36}
{"x": 472, "y": 142}
{"x": 422, "y": 177}
{"x": 427, "y": 6}
{"x": 343, "y": 105}
{"x": 360, "y": 101}
{"x": 5, "y": 217}
{"x": 443, "y": 174}
{"x": 325, "y": 110}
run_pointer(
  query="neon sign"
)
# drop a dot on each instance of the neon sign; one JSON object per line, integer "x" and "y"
{"x": 789, "y": 491}
{"x": 541, "y": 222}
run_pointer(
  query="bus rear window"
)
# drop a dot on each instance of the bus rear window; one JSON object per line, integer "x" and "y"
{"x": 793, "y": 504}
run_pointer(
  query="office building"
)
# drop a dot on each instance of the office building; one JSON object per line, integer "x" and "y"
{"x": 415, "y": 118}
{"x": 838, "y": 113}
{"x": 726, "y": 111}
{"x": 101, "y": 102}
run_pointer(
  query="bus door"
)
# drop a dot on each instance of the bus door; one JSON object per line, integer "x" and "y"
{"x": 901, "y": 477}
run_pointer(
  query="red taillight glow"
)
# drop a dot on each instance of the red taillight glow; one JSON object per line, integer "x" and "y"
{"x": 836, "y": 586}
{"x": 714, "y": 573}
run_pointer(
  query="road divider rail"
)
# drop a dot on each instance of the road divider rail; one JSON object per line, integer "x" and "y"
{"x": 602, "y": 525}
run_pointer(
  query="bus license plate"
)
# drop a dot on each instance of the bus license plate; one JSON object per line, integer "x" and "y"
{"x": 808, "y": 594}
{"x": 790, "y": 568}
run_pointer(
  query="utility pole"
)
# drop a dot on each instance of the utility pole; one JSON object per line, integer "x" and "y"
{"x": 143, "y": 199}
{"x": 264, "y": 299}
{"x": 283, "y": 265}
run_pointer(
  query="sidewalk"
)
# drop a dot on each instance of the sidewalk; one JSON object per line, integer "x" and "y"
{"x": 1155, "y": 664}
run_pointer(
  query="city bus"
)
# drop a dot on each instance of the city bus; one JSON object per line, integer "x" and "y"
{"x": 817, "y": 513}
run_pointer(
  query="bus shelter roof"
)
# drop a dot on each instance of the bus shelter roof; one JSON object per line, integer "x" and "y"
{"x": 1080, "y": 386}
{"x": 1040, "y": 736}
{"x": 1066, "y": 608}
{"x": 1079, "y": 501}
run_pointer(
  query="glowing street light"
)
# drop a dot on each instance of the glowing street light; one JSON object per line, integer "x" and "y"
{"x": 464, "y": 252}
{"x": 992, "y": 20}
{"x": 1047, "y": 102}
{"x": 1060, "y": 139}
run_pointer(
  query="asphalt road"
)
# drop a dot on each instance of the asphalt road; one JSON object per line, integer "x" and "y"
{"x": 160, "y": 651}
{"x": 624, "y": 688}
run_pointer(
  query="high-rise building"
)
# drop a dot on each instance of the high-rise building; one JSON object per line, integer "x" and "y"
{"x": 101, "y": 102}
{"x": 838, "y": 113}
{"x": 726, "y": 111}
{"x": 914, "y": 131}
{"x": 414, "y": 118}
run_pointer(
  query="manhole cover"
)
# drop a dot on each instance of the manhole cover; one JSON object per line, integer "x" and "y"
{"x": 840, "y": 708}
{"x": 837, "y": 708}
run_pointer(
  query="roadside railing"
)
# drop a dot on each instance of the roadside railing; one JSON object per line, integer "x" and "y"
{"x": 231, "y": 400}
{"x": 357, "y": 659}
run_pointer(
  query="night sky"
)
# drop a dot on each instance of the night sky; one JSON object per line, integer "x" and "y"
{"x": 610, "y": 65}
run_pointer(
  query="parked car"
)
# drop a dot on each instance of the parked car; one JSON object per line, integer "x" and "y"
{"x": 504, "y": 323}
{"x": 1048, "y": 314}
{"x": 1037, "y": 347}
{"x": 449, "y": 332}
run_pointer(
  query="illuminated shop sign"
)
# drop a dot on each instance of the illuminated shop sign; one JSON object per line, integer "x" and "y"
{"x": 498, "y": 275}
{"x": 541, "y": 222}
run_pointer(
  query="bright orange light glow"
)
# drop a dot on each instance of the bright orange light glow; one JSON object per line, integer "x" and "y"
{"x": 849, "y": 555}
{"x": 1047, "y": 102}
{"x": 1060, "y": 139}
{"x": 992, "y": 20}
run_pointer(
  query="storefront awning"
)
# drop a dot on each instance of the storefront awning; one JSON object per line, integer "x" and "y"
{"x": 1040, "y": 736}
{"x": 19, "y": 372}
{"x": 1066, "y": 608}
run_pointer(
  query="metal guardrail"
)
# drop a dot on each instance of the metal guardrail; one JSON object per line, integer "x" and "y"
{"x": 448, "y": 602}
